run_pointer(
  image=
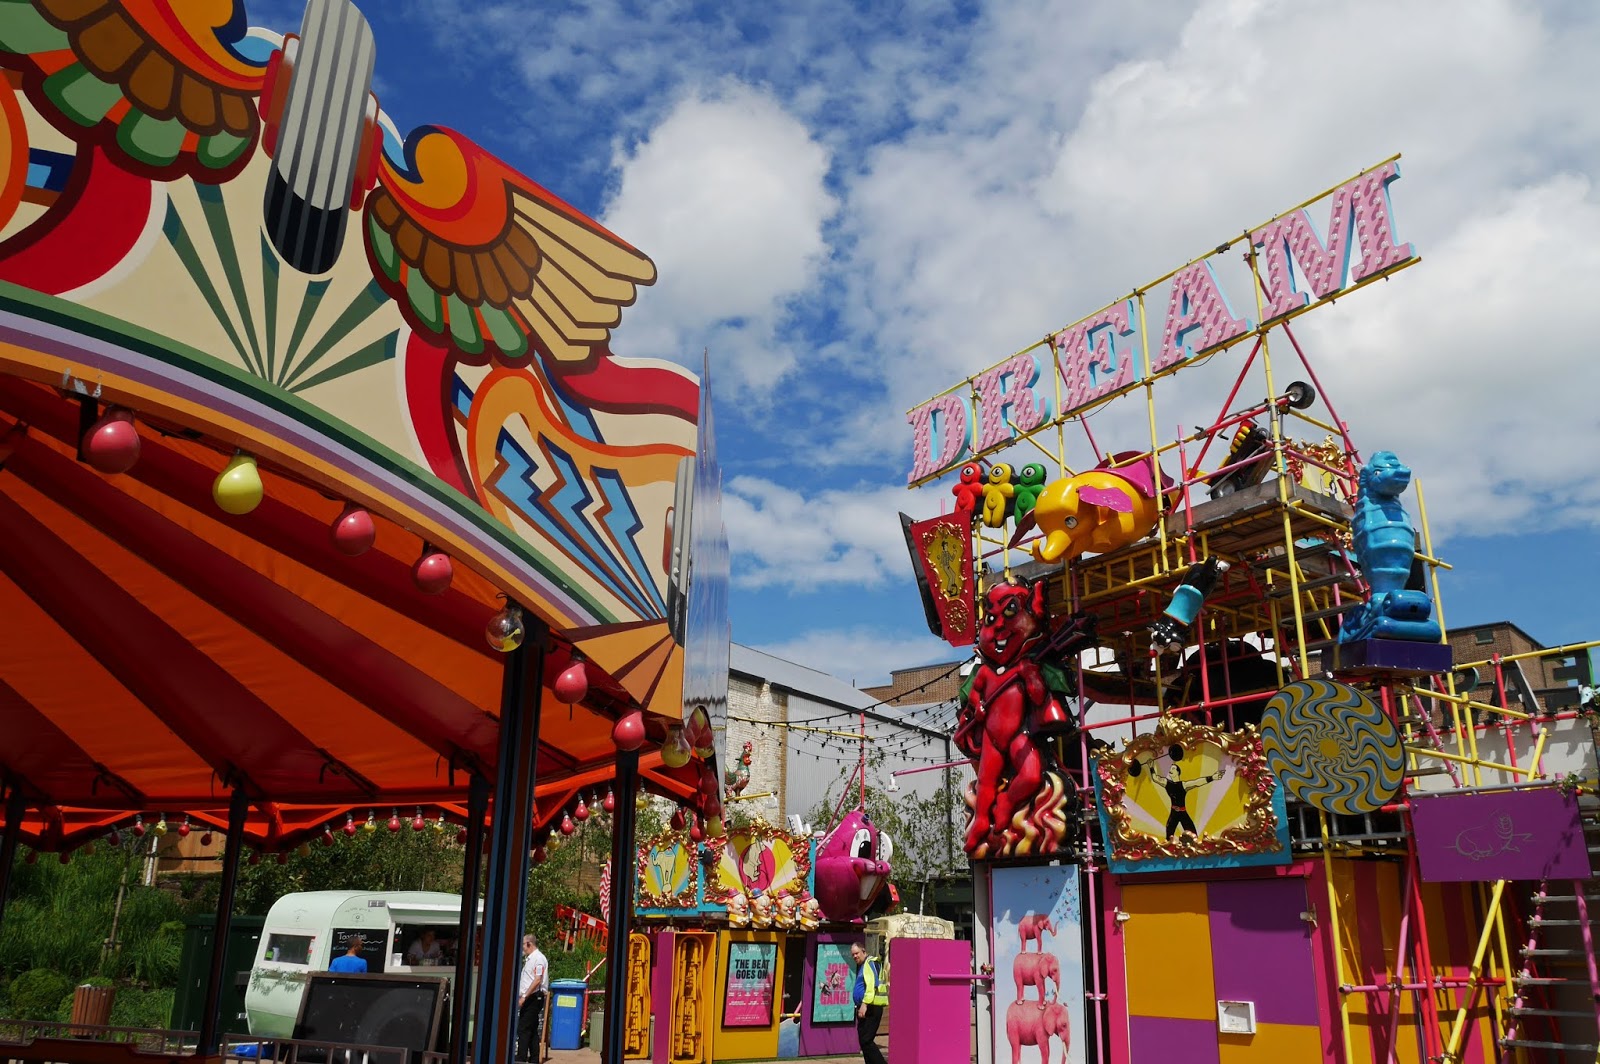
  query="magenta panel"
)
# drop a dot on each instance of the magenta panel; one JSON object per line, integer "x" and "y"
{"x": 1166, "y": 1041}
{"x": 661, "y": 995}
{"x": 1525, "y": 834}
{"x": 1261, "y": 948}
{"x": 931, "y": 994}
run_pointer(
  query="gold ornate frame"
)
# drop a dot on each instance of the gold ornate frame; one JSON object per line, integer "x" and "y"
{"x": 1256, "y": 833}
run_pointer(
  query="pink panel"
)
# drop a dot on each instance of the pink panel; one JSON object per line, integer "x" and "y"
{"x": 931, "y": 1021}
{"x": 661, "y": 995}
{"x": 1097, "y": 355}
{"x": 1009, "y": 387}
{"x": 1198, "y": 317}
{"x": 947, "y": 418}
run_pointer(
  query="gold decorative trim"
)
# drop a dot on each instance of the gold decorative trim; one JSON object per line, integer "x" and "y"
{"x": 1257, "y": 832}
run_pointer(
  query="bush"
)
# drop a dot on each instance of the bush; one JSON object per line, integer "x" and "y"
{"x": 142, "y": 1008}
{"x": 574, "y": 965}
{"x": 38, "y": 993}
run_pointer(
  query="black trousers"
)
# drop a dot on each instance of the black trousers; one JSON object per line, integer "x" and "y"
{"x": 528, "y": 1016}
{"x": 1180, "y": 819}
{"x": 867, "y": 1034}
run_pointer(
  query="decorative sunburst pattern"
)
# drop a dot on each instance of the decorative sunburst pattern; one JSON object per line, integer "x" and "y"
{"x": 287, "y": 328}
{"x": 1332, "y": 747}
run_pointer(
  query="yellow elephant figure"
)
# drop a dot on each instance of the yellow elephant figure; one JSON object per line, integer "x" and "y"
{"x": 1093, "y": 512}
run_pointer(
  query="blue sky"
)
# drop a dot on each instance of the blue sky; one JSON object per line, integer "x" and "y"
{"x": 854, "y": 206}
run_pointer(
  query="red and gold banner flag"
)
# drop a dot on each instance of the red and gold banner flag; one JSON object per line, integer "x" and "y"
{"x": 941, "y": 554}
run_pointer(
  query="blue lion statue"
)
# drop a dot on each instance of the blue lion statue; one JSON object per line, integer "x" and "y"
{"x": 1386, "y": 545}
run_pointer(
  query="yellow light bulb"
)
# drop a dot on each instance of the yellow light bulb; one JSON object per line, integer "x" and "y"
{"x": 237, "y": 489}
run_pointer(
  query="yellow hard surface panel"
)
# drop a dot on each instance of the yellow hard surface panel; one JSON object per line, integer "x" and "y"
{"x": 1167, "y": 943}
{"x": 1272, "y": 1043}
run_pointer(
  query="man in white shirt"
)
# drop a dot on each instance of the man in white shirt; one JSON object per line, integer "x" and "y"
{"x": 531, "y": 990}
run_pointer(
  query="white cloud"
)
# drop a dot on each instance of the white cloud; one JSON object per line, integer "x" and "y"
{"x": 976, "y": 235}
{"x": 782, "y": 538}
{"x": 861, "y": 654}
{"x": 727, "y": 195}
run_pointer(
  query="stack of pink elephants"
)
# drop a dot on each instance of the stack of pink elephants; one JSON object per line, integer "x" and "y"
{"x": 1034, "y": 1023}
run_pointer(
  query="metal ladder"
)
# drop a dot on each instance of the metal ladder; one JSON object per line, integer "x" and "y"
{"x": 1559, "y": 980}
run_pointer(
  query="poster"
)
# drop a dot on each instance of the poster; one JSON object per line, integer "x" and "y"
{"x": 1190, "y": 796}
{"x": 1038, "y": 961}
{"x": 752, "y": 968}
{"x": 831, "y": 995}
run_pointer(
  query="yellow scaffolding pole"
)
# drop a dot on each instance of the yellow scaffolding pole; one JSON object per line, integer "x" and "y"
{"x": 1338, "y": 946}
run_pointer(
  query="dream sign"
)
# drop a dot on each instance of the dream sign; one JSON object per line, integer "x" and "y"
{"x": 1106, "y": 354}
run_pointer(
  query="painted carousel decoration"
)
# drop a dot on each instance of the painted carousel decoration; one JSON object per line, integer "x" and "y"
{"x": 1333, "y": 747}
{"x": 1394, "y": 632}
{"x": 1110, "y": 506}
{"x": 231, "y": 212}
{"x": 757, "y": 876}
{"x": 762, "y": 877}
{"x": 668, "y": 874}
{"x": 737, "y": 778}
{"x": 1191, "y": 796}
{"x": 1010, "y": 721}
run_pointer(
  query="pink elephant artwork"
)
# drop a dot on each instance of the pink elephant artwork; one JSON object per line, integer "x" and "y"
{"x": 1032, "y": 969}
{"x": 1032, "y": 928}
{"x": 1028, "y": 1024}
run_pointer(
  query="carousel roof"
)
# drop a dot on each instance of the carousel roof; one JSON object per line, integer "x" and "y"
{"x": 155, "y": 651}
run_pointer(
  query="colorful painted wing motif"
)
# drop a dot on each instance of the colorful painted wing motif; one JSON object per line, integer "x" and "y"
{"x": 164, "y": 86}
{"x": 483, "y": 259}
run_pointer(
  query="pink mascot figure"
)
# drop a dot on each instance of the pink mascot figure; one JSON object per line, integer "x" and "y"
{"x": 852, "y": 866}
{"x": 1019, "y": 797}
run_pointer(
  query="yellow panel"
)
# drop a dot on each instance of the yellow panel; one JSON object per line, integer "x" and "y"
{"x": 636, "y": 1025}
{"x": 1272, "y": 1043}
{"x": 745, "y": 1043}
{"x": 694, "y": 962}
{"x": 1167, "y": 945}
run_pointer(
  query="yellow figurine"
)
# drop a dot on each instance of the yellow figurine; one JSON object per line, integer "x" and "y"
{"x": 997, "y": 494}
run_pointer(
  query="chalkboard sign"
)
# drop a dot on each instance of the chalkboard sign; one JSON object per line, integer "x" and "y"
{"x": 374, "y": 946}
{"x": 375, "y": 1010}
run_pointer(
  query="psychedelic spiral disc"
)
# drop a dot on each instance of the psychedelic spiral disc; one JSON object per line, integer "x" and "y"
{"x": 1332, "y": 747}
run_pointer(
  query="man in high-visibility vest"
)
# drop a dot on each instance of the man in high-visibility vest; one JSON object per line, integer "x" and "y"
{"x": 871, "y": 995}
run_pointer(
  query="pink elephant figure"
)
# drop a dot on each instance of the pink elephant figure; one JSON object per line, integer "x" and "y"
{"x": 1032, "y": 928}
{"x": 1029, "y": 1025}
{"x": 1032, "y": 969}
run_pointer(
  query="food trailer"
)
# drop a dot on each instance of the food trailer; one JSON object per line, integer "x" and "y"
{"x": 409, "y": 931}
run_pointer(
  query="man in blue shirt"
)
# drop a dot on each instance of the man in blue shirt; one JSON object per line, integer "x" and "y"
{"x": 352, "y": 961}
{"x": 871, "y": 994}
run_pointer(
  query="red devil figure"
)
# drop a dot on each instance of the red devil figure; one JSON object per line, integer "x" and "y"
{"x": 1008, "y": 706}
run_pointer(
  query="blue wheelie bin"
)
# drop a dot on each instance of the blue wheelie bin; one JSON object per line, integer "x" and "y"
{"x": 566, "y": 1013}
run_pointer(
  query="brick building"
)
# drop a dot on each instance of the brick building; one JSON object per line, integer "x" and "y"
{"x": 922, "y": 684}
{"x": 1550, "y": 681}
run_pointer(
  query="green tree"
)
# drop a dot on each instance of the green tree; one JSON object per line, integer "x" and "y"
{"x": 379, "y": 859}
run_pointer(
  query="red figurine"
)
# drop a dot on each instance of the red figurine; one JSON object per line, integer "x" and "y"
{"x": 1009, "y": 706}
{"x": 969, "y": 490}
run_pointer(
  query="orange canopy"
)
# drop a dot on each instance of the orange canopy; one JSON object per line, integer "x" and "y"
{"x": 155, "y": 652}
